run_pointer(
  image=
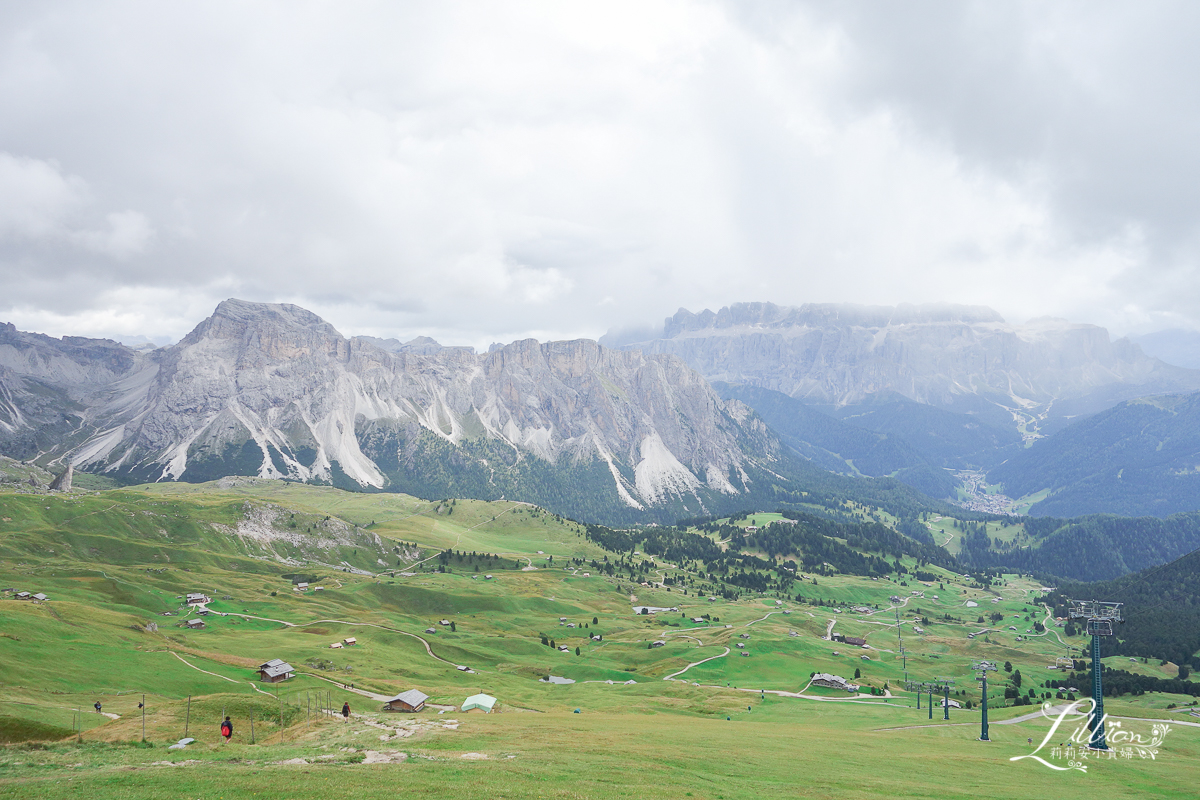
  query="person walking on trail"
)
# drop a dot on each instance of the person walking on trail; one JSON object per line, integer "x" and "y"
{"x": 227, "y": 729}
{"x": 346, "y": 711}
{"x": 97, "y": 706}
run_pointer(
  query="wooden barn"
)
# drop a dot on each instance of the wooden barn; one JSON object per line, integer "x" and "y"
{"x": 411, "y": 701}
{"x": 850, "y": 640}
{"x": 274, "y": 671}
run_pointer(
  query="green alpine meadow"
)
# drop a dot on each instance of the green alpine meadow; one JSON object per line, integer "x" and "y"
{"x": 655, "y": 661}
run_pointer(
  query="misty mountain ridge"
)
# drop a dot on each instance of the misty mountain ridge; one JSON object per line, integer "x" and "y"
{"x": 1174, "y": 346}
{"x": 1032, "y": 378}
{"x": 419, "y": 345}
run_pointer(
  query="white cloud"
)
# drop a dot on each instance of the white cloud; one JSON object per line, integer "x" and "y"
{"x": 35, "y": 197}
{"x": 487, "y": 172}
{"x": 127, "y": 234}
{"x": 40, "y": 206}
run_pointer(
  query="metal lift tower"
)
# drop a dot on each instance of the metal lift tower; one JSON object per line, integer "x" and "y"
{"x": 944, "y": 684}
{"x": 983, "y": 668}
{"x": 900, "y": 639}
{"x": 920, "y": 687}
{"x": 1099, "y": 618}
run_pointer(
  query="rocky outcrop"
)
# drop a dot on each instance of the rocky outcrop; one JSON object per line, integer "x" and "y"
{"x": 63, "y": 482}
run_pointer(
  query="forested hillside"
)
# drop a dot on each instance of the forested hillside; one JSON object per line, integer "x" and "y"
{"x": 1162, "y": 610}
{"x": 1101, "y": 547}
{"x": 1141, "y": 457}
{"x": 944, "y": 438}
{"x": 800, "y": 541}
{"x": 841, "y": 446}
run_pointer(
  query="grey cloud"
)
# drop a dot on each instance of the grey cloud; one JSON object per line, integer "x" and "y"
{"x": 1091, "y": 101}
{"x": 488, "y": 173}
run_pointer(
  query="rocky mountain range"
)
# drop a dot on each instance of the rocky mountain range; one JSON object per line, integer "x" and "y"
{"x": 749, "y": 406}
{"x": 1032, "y": 377}
{"x": 275, "y": 391}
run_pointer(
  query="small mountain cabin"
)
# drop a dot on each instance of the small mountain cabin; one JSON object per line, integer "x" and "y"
{"x": 275, "y": 671}
{"x": 409, "y": 702}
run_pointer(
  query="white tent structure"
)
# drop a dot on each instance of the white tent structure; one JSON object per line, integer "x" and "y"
{"x": 482, "y": 702}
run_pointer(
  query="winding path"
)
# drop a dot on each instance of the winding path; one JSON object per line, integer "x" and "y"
{"x": 382, "y": 698}
{"x": 428, "y": 649}
{"x": 695, "y": 664}
{"x": 215, "y": 675}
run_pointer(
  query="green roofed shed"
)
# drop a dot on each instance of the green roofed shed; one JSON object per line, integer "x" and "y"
{"x": 482, "y": 702}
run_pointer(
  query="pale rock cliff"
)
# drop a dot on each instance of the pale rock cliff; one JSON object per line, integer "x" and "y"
{"x": 272, "y": 390}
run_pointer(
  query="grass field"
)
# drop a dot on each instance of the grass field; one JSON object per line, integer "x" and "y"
{"x": 731, "y": 727}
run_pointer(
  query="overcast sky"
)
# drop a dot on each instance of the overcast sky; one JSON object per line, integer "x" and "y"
{"x": 489, "y": 171}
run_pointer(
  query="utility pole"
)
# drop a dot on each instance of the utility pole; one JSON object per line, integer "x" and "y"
{"x": 983, "y": 668}
{"x": 142, "y": 706}
{"x": 1099, "y": 618}
{"x": 188, "y": 719}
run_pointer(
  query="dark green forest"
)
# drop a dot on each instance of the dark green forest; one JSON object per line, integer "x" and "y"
{"x": 1099, "y": 547}
{"x": 1162, "y": 610}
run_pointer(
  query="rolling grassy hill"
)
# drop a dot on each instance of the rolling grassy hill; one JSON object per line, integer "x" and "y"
{"x": 653, "y": 720}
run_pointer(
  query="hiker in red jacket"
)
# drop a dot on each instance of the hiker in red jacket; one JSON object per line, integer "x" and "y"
{"x": 227, "y": 729}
